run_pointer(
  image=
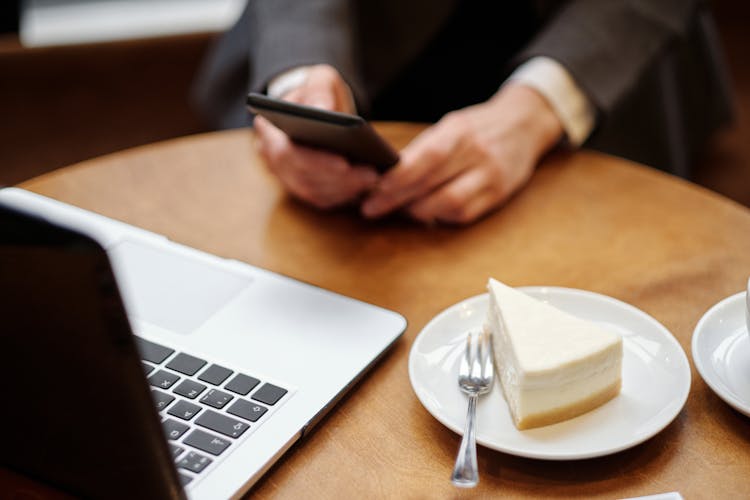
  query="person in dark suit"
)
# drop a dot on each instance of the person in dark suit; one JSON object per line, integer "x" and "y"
{"x": 505, "y": 82}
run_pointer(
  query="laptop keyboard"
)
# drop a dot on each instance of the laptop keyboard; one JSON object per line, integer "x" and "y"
{"x": 204, "y": 407}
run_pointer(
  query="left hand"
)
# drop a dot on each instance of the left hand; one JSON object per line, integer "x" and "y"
{"x": 320, "y": 178}
{"x": 471, "y": 161}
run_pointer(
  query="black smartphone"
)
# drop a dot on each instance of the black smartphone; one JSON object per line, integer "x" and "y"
{"x": 348, "y": 135}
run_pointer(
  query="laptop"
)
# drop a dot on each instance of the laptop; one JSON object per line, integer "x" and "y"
{"x": 136, "y": 367}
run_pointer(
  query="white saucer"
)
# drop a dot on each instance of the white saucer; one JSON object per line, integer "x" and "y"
{"x": 655, "y": 383}
{"x": 721, "y": 351}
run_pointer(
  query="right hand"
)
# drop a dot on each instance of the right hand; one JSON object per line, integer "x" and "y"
{"x": 322, "y": 179}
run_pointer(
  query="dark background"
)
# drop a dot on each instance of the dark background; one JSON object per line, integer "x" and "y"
{"x": 61, "y": 105}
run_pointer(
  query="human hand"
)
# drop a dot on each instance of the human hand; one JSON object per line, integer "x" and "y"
{"x": 471, "y": 161}
{"x": 323, "y": 179}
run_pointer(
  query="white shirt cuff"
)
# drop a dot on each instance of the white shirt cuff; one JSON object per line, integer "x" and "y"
{"x": 548, "y": 77}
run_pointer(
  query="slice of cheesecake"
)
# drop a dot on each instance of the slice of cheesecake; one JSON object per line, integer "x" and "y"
{"x": 552, "y": 365}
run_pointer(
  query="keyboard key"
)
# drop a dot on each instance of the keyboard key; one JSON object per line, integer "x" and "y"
{"x": 206, "y": 442}
{"x": 176, "y": 450}
{"x": 242, "y": 384}
{"x": 216, "y": 398}
{"x": 215, "y": 374}
{"x": 185, "y": 363}
{"x": 147, "y": 368}
{"x": 247, "y": 410}
{"x": 174, "y": 429}
{"x": 269, "y": 394}
{"x": 162, "y": 379}
{"x": 161, "y": 399}
{"x": 184, "y": 479}
{"x": 189, "y": 389}
{"x": 184, "y": 410}
{"x": 222, "y": 424}
{"x": 151, "y": 351}
{"x": 194, "y": 462}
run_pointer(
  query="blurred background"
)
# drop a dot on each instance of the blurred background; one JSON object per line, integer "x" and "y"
{"x": 83, "y": 78}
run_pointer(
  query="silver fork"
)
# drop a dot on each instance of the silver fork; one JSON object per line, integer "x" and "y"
{"x": 475, "y": 375}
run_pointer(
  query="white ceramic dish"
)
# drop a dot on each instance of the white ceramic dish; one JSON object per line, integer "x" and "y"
{"x": 721, "y": 351}
{"x": 656, "y": 380}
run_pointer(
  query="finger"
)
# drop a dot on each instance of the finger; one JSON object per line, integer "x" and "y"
{"x": 349, "y": 187}
{"x": 313, "y": 189}
{"x": 418, "y": 158}
{"x": 280, "y": 151}
{"x": 421, "y": 170}
{"x": 315, "y": 91}
{"x": 273, "y": 144}
{"x": 460, "y": 200}
{"x": 308, "y": 174}
{"x": 320, "y": 182}
{"x": 340, "y": 190}
{"x": 363, "y": 178}
{"x": 329, "y": 90}
{"x": 479, "y": 205}
{"x": 322, "y": 179}
{"x": 449, "y": 198}
{"x": 323, "y": 173}
{"x": 262, "y": 127}
{"x": 318, "y": 95}
{"x": 296, "y": 95}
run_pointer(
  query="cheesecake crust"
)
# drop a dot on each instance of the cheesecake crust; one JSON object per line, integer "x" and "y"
{"x": 580, "y": 407}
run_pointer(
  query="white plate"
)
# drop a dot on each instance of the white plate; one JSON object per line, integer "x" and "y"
{"x": 655, "y": 383}
{"x": 721, "y": 351}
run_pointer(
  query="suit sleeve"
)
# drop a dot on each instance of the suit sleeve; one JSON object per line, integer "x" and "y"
{"x": 608, "y": 45}
{"x": 288, "y": 33}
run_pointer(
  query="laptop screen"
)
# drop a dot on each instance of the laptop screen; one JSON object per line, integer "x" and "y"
{"x": 78, "y": 413}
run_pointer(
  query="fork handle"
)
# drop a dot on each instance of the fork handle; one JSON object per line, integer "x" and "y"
{"x": 465, "y": 473}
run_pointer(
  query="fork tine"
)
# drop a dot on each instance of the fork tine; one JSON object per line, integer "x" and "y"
{"x": 486, "y": 354}
{"x": 476, "y": 356}
{"x": 465, "y": 365}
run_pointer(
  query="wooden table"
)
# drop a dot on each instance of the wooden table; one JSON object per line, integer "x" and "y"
{"x": 585, "y": 221}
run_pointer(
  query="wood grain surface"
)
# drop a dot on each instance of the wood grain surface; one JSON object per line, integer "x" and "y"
{"x": 585, "y": 221}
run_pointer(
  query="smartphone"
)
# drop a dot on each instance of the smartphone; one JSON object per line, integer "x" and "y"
{"x": 348, "y": 135}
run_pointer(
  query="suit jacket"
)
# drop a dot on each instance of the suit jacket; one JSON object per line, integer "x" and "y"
{"x": 653, "y": 70}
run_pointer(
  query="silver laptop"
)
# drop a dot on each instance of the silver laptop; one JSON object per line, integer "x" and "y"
{"x": 240, "y": 361}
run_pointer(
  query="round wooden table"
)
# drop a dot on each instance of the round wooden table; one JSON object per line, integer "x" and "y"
{"x": 585, "y": 221}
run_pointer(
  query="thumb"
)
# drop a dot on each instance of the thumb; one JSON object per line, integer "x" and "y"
{"x": 319, "y": 98}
